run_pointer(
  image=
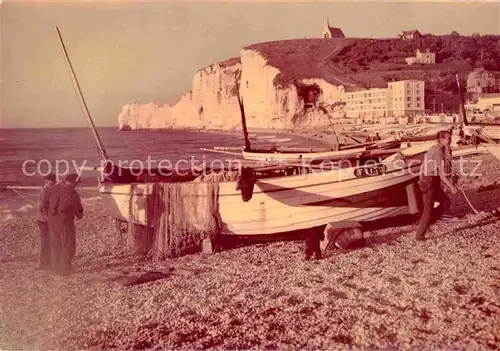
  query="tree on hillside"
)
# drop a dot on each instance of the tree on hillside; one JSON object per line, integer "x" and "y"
{"x": 455, "y": 34}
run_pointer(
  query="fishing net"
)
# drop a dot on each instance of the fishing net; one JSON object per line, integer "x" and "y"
{"x": 182, "y": 215}
{"x": 179, "y": 215}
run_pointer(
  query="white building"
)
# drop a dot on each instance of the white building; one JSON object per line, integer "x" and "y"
{"x": 406, "y": 98}
{"x": 481, "y": 81}
{"x": 367, "y": 104}
{"x": 411, "y": 35}
{"x": 401, "y": 98}
{"x": 485, "y": 103}
{"x": 426, "y": 58}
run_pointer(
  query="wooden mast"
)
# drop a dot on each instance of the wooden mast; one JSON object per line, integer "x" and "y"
{"x": 462, "y": 102}
{"x": 83, "y": 104}
{"x": 243, "y": 119}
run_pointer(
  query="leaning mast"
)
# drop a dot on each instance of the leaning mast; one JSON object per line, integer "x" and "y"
{"x": 83, "y": 104}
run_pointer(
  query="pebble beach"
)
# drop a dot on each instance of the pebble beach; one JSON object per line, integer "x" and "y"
{"x": 393, "y": 293}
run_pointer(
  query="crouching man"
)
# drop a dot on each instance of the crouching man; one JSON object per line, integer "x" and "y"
{"x": 64, "y": 206}
{"x": 433, "y": 174}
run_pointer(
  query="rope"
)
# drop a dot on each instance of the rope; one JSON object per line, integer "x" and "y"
{"x": 21, "y": 195}
{"x": 470, "y": 204}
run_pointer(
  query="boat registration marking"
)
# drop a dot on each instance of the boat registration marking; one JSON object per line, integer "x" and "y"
{"x": 370, "y": 171}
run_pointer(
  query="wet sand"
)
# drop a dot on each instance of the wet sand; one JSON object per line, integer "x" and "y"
{"x": 396, "y": 292}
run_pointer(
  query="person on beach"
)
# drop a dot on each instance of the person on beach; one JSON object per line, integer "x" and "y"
{"x": 42, "y": 221}
{"x": 377, "y": 137}
{"x": 64, "y": 205}
{"x": 461, "y": 133}
{"x": 312, "y": 244}
{"x": 433, "y": 173}
{"x": 474, "y": 139}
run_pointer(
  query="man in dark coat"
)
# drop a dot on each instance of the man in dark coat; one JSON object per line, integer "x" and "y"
{"x": 64, "y": 206}
{"x": 42, "y": 221}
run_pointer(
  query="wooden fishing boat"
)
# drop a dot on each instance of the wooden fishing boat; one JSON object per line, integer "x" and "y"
{"x": 311, "y": 156}
{"x": 287, "y": 203}
{"x": 490, "y": 131}
{"x": 458, "y": 150}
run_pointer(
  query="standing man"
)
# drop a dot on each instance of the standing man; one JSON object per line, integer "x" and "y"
{"x": 64, "y": 206}
{"x": 432, "y": 173}
{"x": 42, "y": 221}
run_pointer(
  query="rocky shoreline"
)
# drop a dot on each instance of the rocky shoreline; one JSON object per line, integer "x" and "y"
{"x": 396, "y": 292}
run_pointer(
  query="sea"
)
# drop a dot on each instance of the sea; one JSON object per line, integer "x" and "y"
{"x": 27, "y": 154}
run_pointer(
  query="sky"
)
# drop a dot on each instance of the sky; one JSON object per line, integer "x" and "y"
{"x": 149, "y": 51}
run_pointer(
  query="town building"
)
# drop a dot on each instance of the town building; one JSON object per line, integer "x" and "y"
{"x": 481, "y": 81}
{"x": 332, "y": 32}
{"x": 410, "y": 35}
{"x": 367, "y": 104}
{"x": 401, "y": 98}
{"x": 425, "y": 58}
{"x": 406, "y": 98}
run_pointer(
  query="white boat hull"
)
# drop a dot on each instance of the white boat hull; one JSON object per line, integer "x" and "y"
{"x": 457, "y": 150}
{"x": 308, "y": 157}
{"x": 491, "y": 131}
{"x": 284, "y": 204}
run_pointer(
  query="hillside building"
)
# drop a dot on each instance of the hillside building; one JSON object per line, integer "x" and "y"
{"x": 481, "y": 81}
{"x": 410, "y": 35}
{"x": 332, "y": 32}
{"x": 424, "y": 58}
{"x": 401, "y": 98}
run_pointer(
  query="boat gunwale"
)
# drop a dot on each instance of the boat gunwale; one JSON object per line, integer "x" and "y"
{"x": 264, "y": 191}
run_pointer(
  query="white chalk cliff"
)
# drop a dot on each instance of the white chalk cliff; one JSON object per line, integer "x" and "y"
{"x": 212, "y": 103}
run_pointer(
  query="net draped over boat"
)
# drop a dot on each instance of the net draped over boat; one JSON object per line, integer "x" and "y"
{"x": 180, "y": 216}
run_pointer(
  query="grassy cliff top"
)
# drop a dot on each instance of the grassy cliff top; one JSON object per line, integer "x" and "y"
{"x": 305, "y": 58}
{"x": 360, "y": 63}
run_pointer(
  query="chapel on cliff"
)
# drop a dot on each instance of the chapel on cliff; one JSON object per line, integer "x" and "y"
{"x": 331, "y": 32}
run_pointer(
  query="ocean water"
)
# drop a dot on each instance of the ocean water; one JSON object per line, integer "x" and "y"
{"x": 63, "y": 149}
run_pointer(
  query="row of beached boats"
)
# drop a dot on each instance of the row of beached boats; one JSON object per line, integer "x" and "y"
{"x": 294, "y": 190}
{"x": 299, "y": 196}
